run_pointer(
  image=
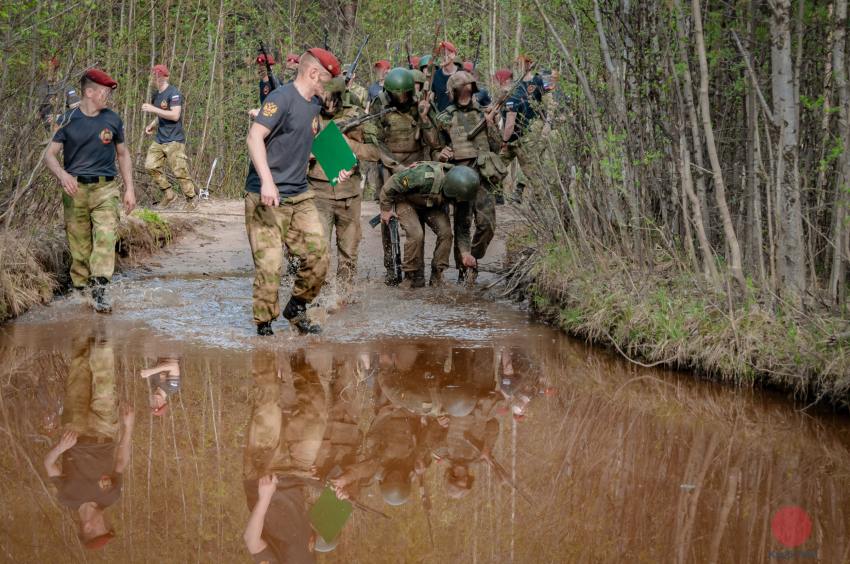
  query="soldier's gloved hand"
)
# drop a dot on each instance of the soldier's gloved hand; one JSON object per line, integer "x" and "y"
{"x": 386, "y": 215}
{"x": 269, "y": 196}
{"x": 469, "y": 261}
{"x": 446, "y": 154}
{"x": 69, "y": 184}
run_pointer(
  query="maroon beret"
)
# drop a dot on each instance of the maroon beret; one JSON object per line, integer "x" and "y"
{"x": 503, "y": 75}
{"x": 327, "y": 60}
{"x": 382, "y": 64}
{"x": 161, "y": 70}
{"x": 468, "y": 66}
{"x": 414, "y": 61}
{"x": 100, "y": 77}
{"x": 99, "y": 542}
{"x": 261, "y": 59}
{"x": 448, "y": 46}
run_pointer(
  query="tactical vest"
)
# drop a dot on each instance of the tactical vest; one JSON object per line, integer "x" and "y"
{"x": 433, "y": 197}
{"x": 462, "y": 123}
{"x": 400, "y": 130}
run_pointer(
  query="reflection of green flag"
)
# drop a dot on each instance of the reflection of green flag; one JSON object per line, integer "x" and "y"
{"x": 333, "y": 153}
{"x": 329, "y": 514}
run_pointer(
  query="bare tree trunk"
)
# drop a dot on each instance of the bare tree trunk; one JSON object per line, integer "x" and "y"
{"x": 717, "y": 171}
{"x": 792, "y": 269}
{"x": 838, "y": 272}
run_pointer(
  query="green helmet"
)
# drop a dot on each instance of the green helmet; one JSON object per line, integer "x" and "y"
{"x": 423, "y": 62}
{"x": 398, "y": 80}
{"x": 461, "y": 183}
{"x": 418, "y": 76}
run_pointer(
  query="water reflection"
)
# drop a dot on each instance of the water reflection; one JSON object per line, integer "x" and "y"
{"x": 87, "y": 463}
{"x": 448, "y": 451}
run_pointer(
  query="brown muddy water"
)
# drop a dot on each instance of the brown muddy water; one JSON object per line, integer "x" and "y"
{"x": 592, "y": 459}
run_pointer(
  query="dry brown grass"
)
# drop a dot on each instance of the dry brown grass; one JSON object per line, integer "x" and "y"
{"x": 668, "y": 317}
{"x": 34, "y": 265}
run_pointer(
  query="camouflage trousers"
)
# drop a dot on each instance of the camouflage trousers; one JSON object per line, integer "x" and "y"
{"x": 91, "y": 223}
{"x": 296, "y": 224}
{"x": 344, "y": 215}
{"x": 483, "y": 211}
{"x": 91, "y": 398}
{"x": 412, "y": 219}
{"x": 288, "y": 419}
{"x": 174, "y": 154}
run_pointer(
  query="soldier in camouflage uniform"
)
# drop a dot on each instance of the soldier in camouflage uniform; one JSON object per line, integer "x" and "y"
{"x": 401, "y": 136}
{"x": 339, "y": 205}
{"x": 91, "y": 136}
{"x": 279, "y": 207}
{"x": 455, "y": 123}
{"x": 420, "y": 194}
{"x": 170, "y": 144}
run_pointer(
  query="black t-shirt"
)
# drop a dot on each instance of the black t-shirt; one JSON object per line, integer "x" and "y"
{"x": 374, "y": 90}
{"x": 441, "y": 91}
{"x": 88, "y": 143}
{"x": 286, "y": 528}
{"x": 167, "y": 130}
{"x": 290, "y": 118}
{"x": 266, "y": 88}
{"x": 523, "y": 101}
{"x": 88, "y": 474}
{"x": 483, "y": 97}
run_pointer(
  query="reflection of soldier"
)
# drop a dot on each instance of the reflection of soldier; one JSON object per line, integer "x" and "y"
{"x": 470, "y": 400}
{"x": 398, "y": 446}
{"x": 284, "y": 436}
{"x": 90, "y": 476}
{"x": 164, "y": 381}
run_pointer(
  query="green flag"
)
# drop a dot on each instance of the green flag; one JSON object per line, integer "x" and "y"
{"x": 329, "y": 513}
{"x": 333, "y": 153}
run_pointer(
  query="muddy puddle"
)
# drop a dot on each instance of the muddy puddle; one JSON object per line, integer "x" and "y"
{"x": 461, "y": 431}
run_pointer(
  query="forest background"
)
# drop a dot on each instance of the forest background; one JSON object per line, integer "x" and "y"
{"x": 689, "y": 204}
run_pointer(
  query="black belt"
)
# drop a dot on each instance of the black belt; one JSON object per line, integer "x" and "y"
{"x": 94, "y": 179}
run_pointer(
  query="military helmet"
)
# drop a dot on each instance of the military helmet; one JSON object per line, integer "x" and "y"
{"x": 395, "y": 489}
{"x": 423, "y": 62}
{"x": 324, "y": 546}
{"x": 398, "y": 81}
{"x": 461, "y": 183}
{"x": 458, "y": 401}
{"x": 459, "y": 80}
{"x": 418, "y": 76}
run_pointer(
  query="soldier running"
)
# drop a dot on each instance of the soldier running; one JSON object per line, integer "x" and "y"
{"x": 419, "y": 195}
{"x": 279, "y": 208}
{"x": 170, "y": 145}
{"x": 90, "y": 138}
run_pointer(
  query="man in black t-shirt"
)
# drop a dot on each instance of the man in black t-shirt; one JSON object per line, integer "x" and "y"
{"x": 440, "y": 83}
{"x": 279, "y": 208}
{"x": 170, "y": 144}
{"x": 93, "y": 448}
{"x": 519, "y": 114}
{"x": 90, "y": 137}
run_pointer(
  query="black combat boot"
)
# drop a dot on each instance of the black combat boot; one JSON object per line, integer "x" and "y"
{"x": 264, "y": 329}
{"x": 98, "y": 295}
{"x": 412, "y": 280}
{"x": 296, "y": 312}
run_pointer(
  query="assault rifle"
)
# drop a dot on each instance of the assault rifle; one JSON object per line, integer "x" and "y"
{"x": 272, "y": 80}
{"x": 434, "y": 54}
{"x": 325, "y": 40}
{"x": 353, "y": 67}
{"x": 407, "y": 52}
{"x": 395, "y": 245}
{"x": 347, "y": 126}
{"x": 498, "y": 104}
{"x": 477, "y": 53}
